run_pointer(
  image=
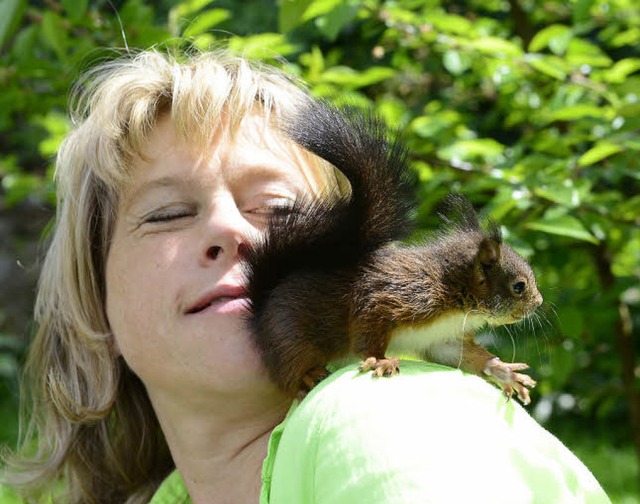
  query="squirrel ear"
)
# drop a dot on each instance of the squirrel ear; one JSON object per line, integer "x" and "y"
{"x": 488, "y": 255}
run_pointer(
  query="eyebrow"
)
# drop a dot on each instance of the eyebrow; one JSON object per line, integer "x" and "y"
{"x": 152, "y": 185}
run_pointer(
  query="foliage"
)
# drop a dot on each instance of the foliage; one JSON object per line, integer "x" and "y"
{"x": 530, "y": 108}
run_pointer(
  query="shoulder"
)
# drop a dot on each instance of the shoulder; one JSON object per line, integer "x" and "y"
{"x": 423, "y": 398}
{"x": 411, "y": 437}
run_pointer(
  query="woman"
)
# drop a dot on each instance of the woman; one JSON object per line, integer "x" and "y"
{"x": 143, "y": 378}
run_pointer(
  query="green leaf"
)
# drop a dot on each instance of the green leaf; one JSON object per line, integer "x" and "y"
{"x": 456, "y": 62}
{"x": 621, "y": 69}
{"x": 352, "y": 79}
{"x": 57, "y": 125}
{"x": 11, "y": 12}
{"x": 568, "y": 193}
{"x": 205, "y": 21}
{"x": 576, "y": 112}
{"x": 187, "y": 8}
{"x": 333, "y": 22}
{"x": 556, "y": 37}
{"x": 75, "y": 8}
{"x": 181, "y": 13}
{"x": 548, "y": 65}
{"x": 54, "y": 34}
{"x": 450, "y": 23}
{"x": 582, "y": 52}
{"x": 18, "y": 186}
{"x": 24, "y": 44}
{"x": 496, "y": 46}
{"x": 565, "y": 225}
{"x": 314, "y": 61}
{"x": 599, "y": 152}
{"x": 486, "y": 148}
{"x": 581, "y": 11}
{"x": 431, "y": 124}
{"x": 290, "y": 14}
{"x": 262, "y": 46}
{"x": 320, "y": 8}
{"x": 629, "y": 37}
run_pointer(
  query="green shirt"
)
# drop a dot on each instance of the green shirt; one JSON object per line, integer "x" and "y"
{"x": 429, "y": 435}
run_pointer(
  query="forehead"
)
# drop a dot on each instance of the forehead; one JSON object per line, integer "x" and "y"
{"x": 255, "y": 148}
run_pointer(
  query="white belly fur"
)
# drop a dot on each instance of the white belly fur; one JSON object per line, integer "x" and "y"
{"x": 429, "y": 338}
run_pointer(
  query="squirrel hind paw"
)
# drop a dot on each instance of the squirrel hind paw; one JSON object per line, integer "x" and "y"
{"x": 381, "y": 367}
{"x": 312, "y": 378}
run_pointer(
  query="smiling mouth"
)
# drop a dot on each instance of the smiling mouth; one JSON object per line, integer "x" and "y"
{"x": 218, "y": 300}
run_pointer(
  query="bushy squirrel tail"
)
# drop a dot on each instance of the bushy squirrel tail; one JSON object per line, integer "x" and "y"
{"x": 333, "y": 233}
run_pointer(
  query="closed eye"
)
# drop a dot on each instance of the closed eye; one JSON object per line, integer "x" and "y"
{"x": 274, "y": 207}
{"x": 168, "y": 214}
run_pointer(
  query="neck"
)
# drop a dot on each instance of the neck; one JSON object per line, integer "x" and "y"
{"x": 219, "y": 446}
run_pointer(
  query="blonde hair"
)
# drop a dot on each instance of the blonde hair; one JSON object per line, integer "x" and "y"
{"x": 86, "y": 417}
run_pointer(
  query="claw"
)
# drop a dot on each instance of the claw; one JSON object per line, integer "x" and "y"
{"x": 381, "y": 367}
{"x": 505, "y": 376}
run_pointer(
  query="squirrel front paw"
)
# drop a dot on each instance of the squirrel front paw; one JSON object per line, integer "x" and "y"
{"x": 504, "y": 374}
{"x": 381, "y": 367}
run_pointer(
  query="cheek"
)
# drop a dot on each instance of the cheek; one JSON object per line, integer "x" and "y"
{"x": 146, "y": 290}
{"x": 136, "y": 300}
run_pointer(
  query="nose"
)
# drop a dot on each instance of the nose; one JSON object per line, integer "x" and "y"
{"x": 214, "y": 250}
{"x": 226, "y": 232}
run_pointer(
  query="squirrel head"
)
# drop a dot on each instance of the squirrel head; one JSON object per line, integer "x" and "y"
{"x": 500, "y": 282}
{"x": 503, "y": 284}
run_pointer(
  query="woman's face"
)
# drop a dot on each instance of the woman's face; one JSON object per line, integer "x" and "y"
{"x": 175, "y": 298}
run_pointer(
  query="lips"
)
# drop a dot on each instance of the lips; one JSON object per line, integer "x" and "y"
{"x": 219, "y": 296}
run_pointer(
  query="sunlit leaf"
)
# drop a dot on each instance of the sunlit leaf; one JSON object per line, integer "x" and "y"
{"x": 548, "y": 65}
{"x": 487, "y": 148}
{"x": 353, "y": 79}
{"x": 621, "y": 70}
{"x": 262, "y": 46}
{"x": 556, "y": 37}
{"x": 599, "y": 152}
{"x": 450, "y": 23}
{"x": 565, "y": 195}
{"x": 183, "y": 12}
{"x": 456, "y": 62}
{"x": 565, "y": 225}
{"x": 582, "y": 52}
{"x": 206, "y": 21}
{"x": 575, "y": 112}
{"x": 290, "y": 14}
{"x": 496, "y": 46}
{"x": 319, "y": 8}
{"x": 628, "y": 37}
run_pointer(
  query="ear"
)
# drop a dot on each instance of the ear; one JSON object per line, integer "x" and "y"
{"x": 114, "y": 348}
{"x": 487, "y": 257}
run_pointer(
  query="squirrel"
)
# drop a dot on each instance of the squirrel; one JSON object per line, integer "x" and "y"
{"x": 330, "y": 277}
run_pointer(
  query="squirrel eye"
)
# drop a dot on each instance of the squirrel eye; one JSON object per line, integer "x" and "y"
{"x": 519, "y": 287}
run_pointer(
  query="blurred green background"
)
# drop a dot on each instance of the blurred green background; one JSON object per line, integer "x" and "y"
{"x": 531, "y": 108}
